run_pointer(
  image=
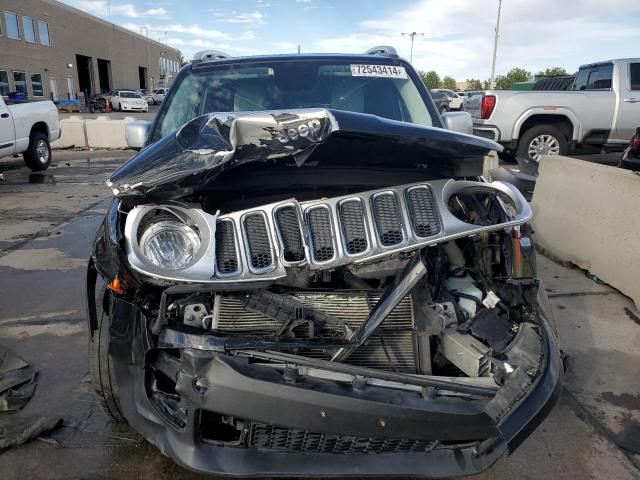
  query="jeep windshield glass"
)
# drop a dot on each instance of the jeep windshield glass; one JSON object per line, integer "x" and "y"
{"x": 281, "y": 85}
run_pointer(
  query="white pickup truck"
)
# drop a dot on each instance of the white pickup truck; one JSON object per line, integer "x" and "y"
{"x": 28, "y": 129}
{"x": 602, "y": 109}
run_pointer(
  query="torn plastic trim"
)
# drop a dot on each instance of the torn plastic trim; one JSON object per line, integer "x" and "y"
{"x": 189, "y": 159}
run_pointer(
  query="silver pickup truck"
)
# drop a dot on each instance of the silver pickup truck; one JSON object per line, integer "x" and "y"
{"x": 602, "y": 109}
{"x": 28, "y": 129}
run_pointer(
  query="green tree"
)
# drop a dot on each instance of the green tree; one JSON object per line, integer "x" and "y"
{"x": 486, "y": 84}
{"x": 474, "y": 84}
{"x": 449, "y": 82}
{"x": 516, "y": 74}
{"x": 554, "y": 72}
{"x": 431, "y": 79}
{"x": 183, "y": 62}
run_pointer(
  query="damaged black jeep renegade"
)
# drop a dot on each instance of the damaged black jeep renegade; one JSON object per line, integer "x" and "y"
{"x": 318, "y": 281}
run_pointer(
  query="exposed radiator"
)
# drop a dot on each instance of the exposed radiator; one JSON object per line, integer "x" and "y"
{"x": 390, "y": 348}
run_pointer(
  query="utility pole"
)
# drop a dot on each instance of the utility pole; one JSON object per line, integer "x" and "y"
{"x": 495, "y": 48}
{"x": 412, "y": 35}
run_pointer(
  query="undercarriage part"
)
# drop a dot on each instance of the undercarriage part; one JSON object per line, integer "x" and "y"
{"x": 466, "y": 353}
{"x": 402, "y": 286}
{"x": 292, "y": 314}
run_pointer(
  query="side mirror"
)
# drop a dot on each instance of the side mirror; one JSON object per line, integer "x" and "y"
{"x": 458, "y": 122}
{"x": 136, "y": 133}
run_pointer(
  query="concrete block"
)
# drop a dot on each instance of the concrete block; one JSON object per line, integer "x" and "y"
{"x": 491, "y": 161}
{"x": 103, "y": 132}
{"x": 72, "y": 133}
{"x": 587, "y": 214}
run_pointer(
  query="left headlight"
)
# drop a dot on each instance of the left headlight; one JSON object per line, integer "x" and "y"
{"x": 170, "y": 244}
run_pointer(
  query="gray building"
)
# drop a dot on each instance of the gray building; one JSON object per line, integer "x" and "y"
{"x": 51, "y": 50}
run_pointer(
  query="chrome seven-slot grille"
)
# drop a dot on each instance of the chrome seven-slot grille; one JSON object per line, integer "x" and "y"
{"x": 327, "y": 232}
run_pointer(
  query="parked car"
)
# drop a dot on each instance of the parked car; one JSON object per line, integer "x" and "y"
{"x": 631, "y": 156}
{"x": 318, "y": 281}
{"x": 441, "y": 101}
{"x": 602, "y": 109}
{"x": 28, "y": 128}
{"x": 128, "y": 100}
{"x": 158, "y": 95}
{"x": 455, "y": 100}
{"x": 146, "y": 95}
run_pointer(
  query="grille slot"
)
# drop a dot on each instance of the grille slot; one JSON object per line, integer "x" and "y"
{"x": 226, "y": 253}
{"x": 272, "y": 437}
{"x": 422, "y": 211}
{"x": 319, "y": 222}
{"x": 257, "y": 237}
{"x": 288, "y": 225}
{"x": 353, "y": 226}
{"x": 388, "y": 218}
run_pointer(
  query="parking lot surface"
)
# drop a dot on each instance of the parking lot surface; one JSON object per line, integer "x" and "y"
{"x": 47, "y": 224}
{"x": 153, "y": 109}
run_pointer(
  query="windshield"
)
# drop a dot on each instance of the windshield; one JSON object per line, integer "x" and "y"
{"x": 130, "y": 95}
{"x": 385, "y": 90}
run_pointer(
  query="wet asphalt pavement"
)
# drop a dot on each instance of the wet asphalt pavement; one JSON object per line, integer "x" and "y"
{"x": 47, "y": 224}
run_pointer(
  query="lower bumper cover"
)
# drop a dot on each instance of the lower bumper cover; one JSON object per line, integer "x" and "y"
{"x": 234, "y": 387}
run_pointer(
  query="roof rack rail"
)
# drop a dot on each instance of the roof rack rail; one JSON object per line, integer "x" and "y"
{"x": 385, "y": 50}
{"x": 210, "y": 55}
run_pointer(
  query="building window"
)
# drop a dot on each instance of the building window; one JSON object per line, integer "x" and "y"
{"x": 20, "y": 82}
{"x": 13, "y": 29}
{"x": 4, "y": 83}
{"x": 29, "y": 29}
{"x": 43, "y": 30}
{"x": 36, "y": 85}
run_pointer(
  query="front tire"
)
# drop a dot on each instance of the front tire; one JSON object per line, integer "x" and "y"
{"x": 542, "y": 140}
{"x": 38, "y": 155}
{"x": 101, "y": 364}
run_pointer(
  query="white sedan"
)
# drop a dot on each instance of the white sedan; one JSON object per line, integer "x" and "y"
{"x": 128, "y": 100}
{"x": 158, "y": 95}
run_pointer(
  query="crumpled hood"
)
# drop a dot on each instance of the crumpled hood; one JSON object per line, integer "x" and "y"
{"x": 190, "y": 159}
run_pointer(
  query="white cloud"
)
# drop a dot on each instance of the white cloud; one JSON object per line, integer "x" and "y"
{"x": 194, "y": 30}
{"x": 101, "y": 8}
{"x": 251, "y": 17}
{"x": 458, "y": 34}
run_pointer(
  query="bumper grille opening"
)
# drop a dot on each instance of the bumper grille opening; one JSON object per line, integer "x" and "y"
{"x": 319, "y": 221}
{"x": 226, "y": 254}
{"x": 257, "y": 237}
{"x": 422, "y": 211}
{"x": 215, "y": 427}
{"x": 289, "y": 227}
{"x": 270, "y": 437}
{"x": 388, "y": 219}
{"x": 354, "y": 229}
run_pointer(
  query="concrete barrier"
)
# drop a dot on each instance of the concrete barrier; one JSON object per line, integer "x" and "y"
{"x": 588, "y": 214}
{"x": 72, "y": 133}
{"x": 101, "y": 132}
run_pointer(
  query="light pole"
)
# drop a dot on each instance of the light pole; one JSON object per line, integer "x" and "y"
{"x": 412, "y": 35}
{"x": 495, "y": 48}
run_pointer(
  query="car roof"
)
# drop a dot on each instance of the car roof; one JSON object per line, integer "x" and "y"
{"x": 390, "y": 59}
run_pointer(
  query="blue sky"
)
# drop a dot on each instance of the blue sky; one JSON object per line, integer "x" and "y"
{"x": 457, "y": 40}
